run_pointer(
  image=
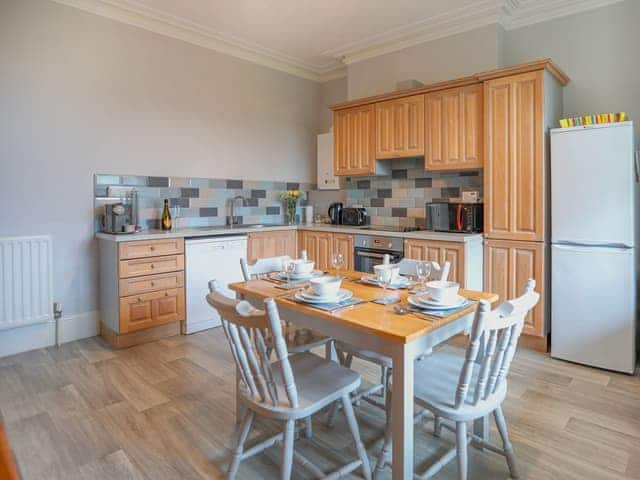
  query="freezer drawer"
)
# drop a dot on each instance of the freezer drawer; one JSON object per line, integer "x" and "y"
{"x": 593, "y": 306}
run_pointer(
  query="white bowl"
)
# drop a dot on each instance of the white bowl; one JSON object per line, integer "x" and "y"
{"x": 326, "y": 286}
{"x": 303, "y": 266}
{"x": 391, "y": 271}
{"x": 443, "y": 292}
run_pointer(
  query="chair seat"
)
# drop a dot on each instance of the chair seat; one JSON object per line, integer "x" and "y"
{"x": 368, "y": 355}
{"x": 299, "y": 339}
{"x": 435, "y": 383}
{"x": 319, "y": 382}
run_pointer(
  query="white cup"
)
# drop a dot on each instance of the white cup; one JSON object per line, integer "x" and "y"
{"x": 303, "y": 266}
{"x": 443, "y": 292}
{"x": 326, "y": 286}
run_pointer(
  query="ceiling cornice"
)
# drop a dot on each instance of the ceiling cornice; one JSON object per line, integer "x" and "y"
{"x": 510, "y": 14}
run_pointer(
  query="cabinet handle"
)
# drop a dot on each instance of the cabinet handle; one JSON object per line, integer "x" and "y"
{"x": 139, "y": 299}
{"x": 153, "y": 284}
{"x": 152, "y": 248}
{"x": 166, "y": 294}
{"x": 152, "y": 266}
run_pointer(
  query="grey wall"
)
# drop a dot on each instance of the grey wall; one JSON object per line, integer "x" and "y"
{"x": 597, "y": 49}
{"x": 435, "y": 61}
{"x": 81, "y": 94}
{"x": 331, "y": 92}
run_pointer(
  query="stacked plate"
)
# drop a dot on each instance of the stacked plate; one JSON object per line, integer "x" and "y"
{"x": 399, "y": 282}
{"x": 297, "y": 277}
{"x": 309, "y": 296}
{"x": 426, "y": 302}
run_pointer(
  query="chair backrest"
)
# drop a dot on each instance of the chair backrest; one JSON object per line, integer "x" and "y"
{"x": 497, "y": 332}
{"x": 408, "y": 267}
{"x": 243, "y": 326}
{"x": 262, "y": 266}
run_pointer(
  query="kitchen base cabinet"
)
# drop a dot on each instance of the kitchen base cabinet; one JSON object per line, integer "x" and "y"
{"x": 271, "y": 244}
{"x": 343, "y": 243}
{"x": 508, "y": 265}
{"x": 142, "y": 294}
{"x": 465, "y": 258}
{"x": 320, "y": 246}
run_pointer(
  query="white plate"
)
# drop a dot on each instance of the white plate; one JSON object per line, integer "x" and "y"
{"x": 299, "y": 276}
{"x": 422, "y": 302}
{"x": 310, "y": 297}
{"x": 401, "y": 282}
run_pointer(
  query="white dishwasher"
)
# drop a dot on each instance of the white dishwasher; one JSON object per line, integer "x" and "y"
{"x": 207, "y": 259}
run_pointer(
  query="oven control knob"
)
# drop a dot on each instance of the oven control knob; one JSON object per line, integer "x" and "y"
{"x": 364, "y": 243}
{"x": 390, "y": 244}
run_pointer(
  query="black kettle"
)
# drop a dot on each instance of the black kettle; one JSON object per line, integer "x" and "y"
{"x": 335, "y": 213}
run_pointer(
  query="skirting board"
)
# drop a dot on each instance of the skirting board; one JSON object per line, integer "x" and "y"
{"x": 41, "y": 335}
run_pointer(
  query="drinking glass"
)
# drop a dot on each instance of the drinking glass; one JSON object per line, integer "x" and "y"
{"x": 384, "y": 278}
{"x": 423, "y": 270}
{"x": 337, "y": 260}
{"x": 291, "y": 268}
{"x": 176, "y": 215}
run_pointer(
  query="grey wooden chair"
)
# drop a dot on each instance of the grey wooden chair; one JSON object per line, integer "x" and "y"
{"x": 297, "y": 339}
{"x": 293, "y": 387}
{"x": 460, "y": 388}
{"x": 347, "y": 352}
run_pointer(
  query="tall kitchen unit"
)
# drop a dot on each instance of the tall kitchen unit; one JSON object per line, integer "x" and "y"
{"x": 521, "y": 105}
{"x": 594, "y": 199}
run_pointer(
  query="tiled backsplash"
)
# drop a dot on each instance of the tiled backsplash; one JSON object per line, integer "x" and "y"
{"x": 201, "y": 201}
{"x": 399, "y": 199}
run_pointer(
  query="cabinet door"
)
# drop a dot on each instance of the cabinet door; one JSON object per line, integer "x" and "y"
{"x": 343, "y": 243}
{"x": 354, "y": 141}
{"x": 507, "y": 267}
{"x": 271, "y": 244}
{"x": 151, "y": 309}
{"x": 319, "y": 247}
{"x": 440, "y": 252}
{"x": 515, "y": 169}
{"x": 454, "y": 129}
{"x": 400, "y": 127}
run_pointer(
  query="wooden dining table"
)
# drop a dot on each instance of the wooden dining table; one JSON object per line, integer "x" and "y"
{"x": 376, "y": 327}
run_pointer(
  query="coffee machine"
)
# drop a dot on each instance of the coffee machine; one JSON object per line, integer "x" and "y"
{"x": 116, "y": 216}
{"x": 335, "y": 213}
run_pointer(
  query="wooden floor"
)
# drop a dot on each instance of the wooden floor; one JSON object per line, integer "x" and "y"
{"x": 165, "y": 410}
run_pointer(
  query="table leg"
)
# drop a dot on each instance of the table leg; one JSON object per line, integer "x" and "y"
{"x": 402, "y": 414}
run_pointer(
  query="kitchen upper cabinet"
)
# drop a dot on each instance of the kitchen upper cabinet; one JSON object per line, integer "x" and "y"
{"x": 271, "y": 244}
{"x": 343, "y": 243}
{"x": 438, "y": 251}
{"x": 400, "y": 127}
{"x": 507, "y": 267}
{"x": 515, "y": 169}
{"x": 354, "y": 141}
{"x": 454, "y": 129}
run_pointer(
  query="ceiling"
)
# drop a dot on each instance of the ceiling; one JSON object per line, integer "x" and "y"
{"x": 315, "y": 39}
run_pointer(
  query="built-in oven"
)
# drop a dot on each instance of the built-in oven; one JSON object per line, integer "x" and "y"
{"x": 369, "y": 250}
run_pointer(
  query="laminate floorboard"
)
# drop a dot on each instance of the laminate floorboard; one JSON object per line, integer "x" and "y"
{"x": 165, "y": 410}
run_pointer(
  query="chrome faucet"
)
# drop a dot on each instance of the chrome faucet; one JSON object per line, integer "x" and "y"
{"x": 232, "y": 207}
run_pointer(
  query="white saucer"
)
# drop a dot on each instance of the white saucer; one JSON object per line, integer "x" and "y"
{"x": 310, "y": 297}
{"x": 299, "y": 276}
{"x": 425, "y": 302}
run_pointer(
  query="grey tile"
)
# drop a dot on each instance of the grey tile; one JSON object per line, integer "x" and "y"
{"x": 100, "y": 190}
{"x": 217, "y": 183}
{"x": 158, "y": 181}
{"x": 134, "y": 180}
{"x": 199, "y": 182}
{"x": 469, "y": 173}
{"x": 234, "y": 184}
{"x": 273, "y": 210}
{"x": 258, "y": 194}
{"x": 449, "y": 192}
{"x": 396, "y": 174}
{"x": 384, "y": 193}
{"x": 424, "y": 182}
{"x": 189, "y": 192}
{"x": 251, "y": 202}
{"x": 293, "y": 186}
{"x": 377, "y": 202}
{"x": 107, "y": 179}
{"x": 363, "y": 184}
{"x": 398, "y": 212}
{"x": 179, "y": 202}
{"x": 152, "y": 223}
{"x": 209, "y": 212}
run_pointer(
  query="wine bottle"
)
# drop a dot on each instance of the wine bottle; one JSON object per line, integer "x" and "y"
{"x": 166, "y": 216}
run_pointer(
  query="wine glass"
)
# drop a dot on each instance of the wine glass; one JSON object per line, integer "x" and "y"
{"x": 290, "y": 268}
{"x": 337, "y": 260}
{"x": 384, "y": 277}
{"x": 423, "y": 270}
{"x": 176, "y": 215}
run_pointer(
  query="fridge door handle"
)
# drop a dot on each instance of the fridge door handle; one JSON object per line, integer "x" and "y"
{"x": 636, "y": 165}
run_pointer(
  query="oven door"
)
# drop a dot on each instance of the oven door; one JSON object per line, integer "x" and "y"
{"x": 367, "y": 258}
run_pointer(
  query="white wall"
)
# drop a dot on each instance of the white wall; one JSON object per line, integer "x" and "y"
{"x": 81, "y": 94}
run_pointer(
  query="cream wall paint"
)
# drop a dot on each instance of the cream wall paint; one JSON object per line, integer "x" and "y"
{"x": 82, "y": 94}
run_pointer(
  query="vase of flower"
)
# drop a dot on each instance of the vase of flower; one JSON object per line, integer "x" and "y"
{"x": 290, "y": 200}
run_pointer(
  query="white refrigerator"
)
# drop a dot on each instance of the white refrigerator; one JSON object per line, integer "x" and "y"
{"x": 594, "y": 198}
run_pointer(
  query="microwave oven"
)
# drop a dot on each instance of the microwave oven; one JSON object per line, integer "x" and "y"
{"x": 454, "y": 217}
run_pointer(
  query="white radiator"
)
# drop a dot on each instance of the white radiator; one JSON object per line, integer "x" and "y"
{"x": 26, "y": 281}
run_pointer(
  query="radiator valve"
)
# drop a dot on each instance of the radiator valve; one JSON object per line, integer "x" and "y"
{"x": 57, "y": 310}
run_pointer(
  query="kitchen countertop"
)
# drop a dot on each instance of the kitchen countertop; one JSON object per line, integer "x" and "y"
{"x": 322, "y": 227}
